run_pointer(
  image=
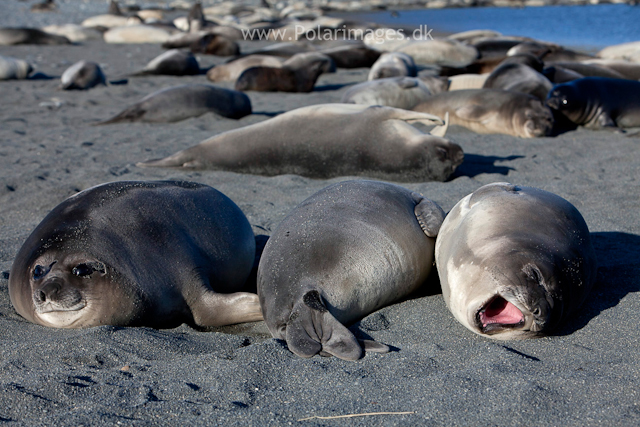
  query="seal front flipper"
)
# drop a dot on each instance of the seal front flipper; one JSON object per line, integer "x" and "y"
{"x": 429, "y": 214}
{"x": 181, "y": 159}
{"x": 214, "y": 309}
{"x": 312, "y": 330}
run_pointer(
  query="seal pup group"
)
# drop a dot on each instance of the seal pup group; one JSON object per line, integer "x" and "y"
{"x": 329, "y": 140}
{"x": 598, "y": 102}
{"x": 185, "y": 101}
{"x": 343, "y": 253}
{"x": 514, "y": 262}
{"x": 492, "y": 111}
{"x": 155, "y": 254}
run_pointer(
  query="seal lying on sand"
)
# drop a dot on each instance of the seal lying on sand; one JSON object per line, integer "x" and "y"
{"x": 174, "y": 62}
{"x": 137, "y": 254}
{"x": 343, "y": 253}
{"x": 398, "y": 92}
{"x": 82, "y": 75}
{"x": 492, "y": 111}
{"x": 14, "y": 36}
{"x": 328, "y": 140}
{"x": 514, "y": 262}
{"x": 598, "y": 102}
{"x": 185, "y": 101}
{"x": 14, "y": 68}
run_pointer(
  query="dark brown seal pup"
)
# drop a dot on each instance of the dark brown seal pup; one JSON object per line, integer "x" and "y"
{"x": 514, "y": 262}
{"x": 153, "y": 254}
{"x": 343, "y": 253}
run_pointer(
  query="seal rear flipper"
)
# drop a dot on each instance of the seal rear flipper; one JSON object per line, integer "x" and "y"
{"x": 214, "y": 309}
{"x": 131, "y": 114}
{"x": 181, "y": 159}
{"x": 429, "y": 214}
{"x": 312, "y": 330}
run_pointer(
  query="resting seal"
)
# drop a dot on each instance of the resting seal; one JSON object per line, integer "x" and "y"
{"x": 155, "y": 254}
{"x": 174, "y": 62}
{"x": 182, "y": 102}
{"x": 492, "y": 111}
{"x": 514, "y": 262}
{"x": 329, "y": 140}
{"x": 343, "y": 253}
{"x": 397, "y": 92}
{"x": 82, "y": 75}
{"x": 598, "y": 102}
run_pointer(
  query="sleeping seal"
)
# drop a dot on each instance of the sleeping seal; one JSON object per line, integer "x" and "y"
{"x": 14, "y": 68}
{"x": 82, "y": 75}
{"x": 519, "y": 78}
{"x": 182, "y": 102}
{"x": 492, "y": 111}
{"x": 398, "y": 92}
{"x": 598, "y": 102}
{"x": 174, "y": 62}
{"x": 155, "y": 254}
{"x": 343, "y": 253}
{"x": 514, "y": 262}
{"x": 15, "y": 36}
{"x": 329, "y": 140}
{"x": 393, "y": 64}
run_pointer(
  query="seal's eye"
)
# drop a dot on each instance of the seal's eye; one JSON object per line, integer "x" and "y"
{"x": 39, "y": 272}
{"x": 82, "y": 270}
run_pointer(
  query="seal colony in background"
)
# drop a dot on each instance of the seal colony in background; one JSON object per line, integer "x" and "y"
{"x": 513, "y": 261}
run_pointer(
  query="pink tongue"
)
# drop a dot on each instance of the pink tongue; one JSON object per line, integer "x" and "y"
{"x": 501, "y": 311}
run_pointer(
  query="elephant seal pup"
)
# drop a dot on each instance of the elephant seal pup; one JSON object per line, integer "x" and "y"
{"x": 519, "y": 78}
{"x": 230, "y": 71}
{"x": 15, "y": 36}
{"x": 329, "y": 140}
{"x": 397, "y": 92}
{"x": 514, "y": 262}
{"x": 341, "y": 254}
{"x": 393, "y": 64}
{"x": 155, "y": 254}
{"x": 492, "y": 111}
{"x": 298, "y": 76}
{"x": 174, "y": 62}
{"x": 598, "y": 102}
{"x": 13, "y": 68}
{"x": 82, "y": 75}
{"x": 185, "y": 101}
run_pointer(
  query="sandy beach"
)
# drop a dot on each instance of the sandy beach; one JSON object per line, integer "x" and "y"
{"x": 440, "y": 373}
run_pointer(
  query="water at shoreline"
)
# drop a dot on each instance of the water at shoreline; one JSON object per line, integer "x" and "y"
{"x": 587, "y": 27}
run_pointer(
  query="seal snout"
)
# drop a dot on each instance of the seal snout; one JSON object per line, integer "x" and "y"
{"x": 53, "y": 295}
{"x": 499, "y": 314}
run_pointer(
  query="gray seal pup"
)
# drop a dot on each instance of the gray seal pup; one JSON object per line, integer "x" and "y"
{"x": 492, "y": 111}
{"x": 397, "y": 92}
{"x": 155, "y": 254}
{"x": 185, "y": 101}
{"x": 344, "y": 252}
{"x": 393, "y": 64}
{"x": 174, "y": 62}
{"x": 15, "y": 36}
{"x": 519, "y": 78}
{"x": 13, "y": 68}
{"x": 82, "y": 75}
{"x": 329, "y": 140}
{"x": 514, "y": 262}
{"x": 598, "y": 102}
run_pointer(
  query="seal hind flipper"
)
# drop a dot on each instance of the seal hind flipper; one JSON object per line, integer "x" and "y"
{"x": 429, "y": 215}
{"x": 181, "y": 159}
{"x": 131, "y": 114}
{"x": 312, "y": 330}
{"x": 214, "y": 309}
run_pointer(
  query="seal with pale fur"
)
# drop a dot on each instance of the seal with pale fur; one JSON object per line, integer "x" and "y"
{"x": 329, "y": 140}
{"x": 182, "y": 102}
{"x": 398, "y": 92}
{"x": 492, "y": 111}
{"x": 82, "y": 75}
{"x": 155, "y": 254}
{"x": 343, "y": 253}
{"x": 514, "y": 262}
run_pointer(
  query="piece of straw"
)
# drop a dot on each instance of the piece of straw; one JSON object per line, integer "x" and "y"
{"x": 366, "y": 414}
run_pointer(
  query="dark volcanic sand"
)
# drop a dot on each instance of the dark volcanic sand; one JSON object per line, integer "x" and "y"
{"x": 585, "y": 375}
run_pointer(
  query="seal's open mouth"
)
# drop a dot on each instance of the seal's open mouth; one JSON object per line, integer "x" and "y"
{"x": 499, "y": 314}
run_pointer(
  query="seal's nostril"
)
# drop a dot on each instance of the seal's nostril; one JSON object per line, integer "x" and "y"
{"x": 42, "y": 297}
